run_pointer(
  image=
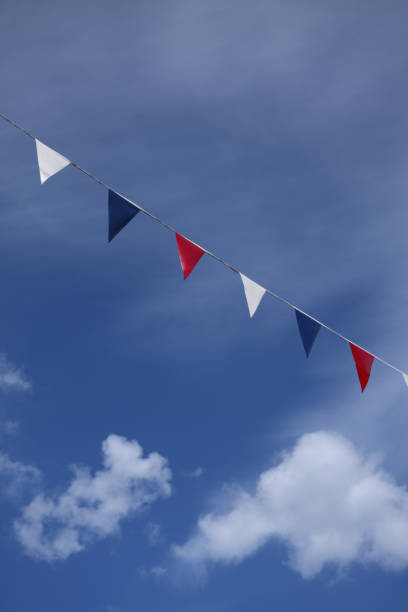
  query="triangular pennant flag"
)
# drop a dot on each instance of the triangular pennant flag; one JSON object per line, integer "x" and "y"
{"x": 253, "y": 293}
{"x": 363, "y": 361}
{"x": 189, "y": 254}
{"x": 121, "y": 211}
{"x": 49, "y": 161}
{"x": 308, "y": 329}
{"x": 405, "y": 377}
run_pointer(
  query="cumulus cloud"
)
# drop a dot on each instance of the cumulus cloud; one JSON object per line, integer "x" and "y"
{"x": 52, "y": 528}
{"x": 329, "y": 504}
{"x": 11, "y": 377}
{"x": 17, "y": 477}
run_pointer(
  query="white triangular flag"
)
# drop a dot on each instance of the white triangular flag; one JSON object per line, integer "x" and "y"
{"x": 49, "y": 161}
{"x": 405, "y": 377}
{"x": 253, "y": 293}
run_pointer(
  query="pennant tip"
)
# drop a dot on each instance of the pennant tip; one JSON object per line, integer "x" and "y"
{"x": 308, "y": 351}
{"x": 364, "y": 383}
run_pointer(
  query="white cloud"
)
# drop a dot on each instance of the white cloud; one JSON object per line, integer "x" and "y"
{"x": 327, "y": 502}
{"x": 92, "y": 507}
{"x": 11, "y": 377}
{"x": 17, "y": 477}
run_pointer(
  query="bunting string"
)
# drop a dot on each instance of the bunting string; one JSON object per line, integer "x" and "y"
{"x": 190, "y": 252}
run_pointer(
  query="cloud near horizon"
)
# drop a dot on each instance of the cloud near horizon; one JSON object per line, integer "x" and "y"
{"x": 53, "y": 528}
{"x": 328, "y": 503}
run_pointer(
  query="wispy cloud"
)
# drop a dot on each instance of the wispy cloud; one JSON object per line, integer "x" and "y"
{"x": 11, "y": 377}
{"x": 154, "y": 533}
{"x": 92, "y": 507}
{"x": 157, "y": 571}
{"x": 197, "y": 473}
{"x": 10, "y": 427}
{"x": 17, "y": 477}
{"x": 327, "y": 502}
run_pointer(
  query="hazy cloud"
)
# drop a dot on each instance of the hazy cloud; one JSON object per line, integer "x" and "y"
{"x": 11, "y": 427}
{"x": 199, "y": 471}
{"x": 11, "y": 377}
{"x": 154, "y": 533}
{"x": 17, "y": 477}
{"x": 157, "y": 571}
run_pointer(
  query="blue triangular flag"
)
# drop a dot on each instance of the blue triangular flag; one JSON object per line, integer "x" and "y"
{"x": 120, "y": 213}
{"x": 308, "y": 329}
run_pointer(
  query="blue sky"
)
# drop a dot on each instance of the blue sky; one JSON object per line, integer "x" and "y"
{"x": 159, "y": 449}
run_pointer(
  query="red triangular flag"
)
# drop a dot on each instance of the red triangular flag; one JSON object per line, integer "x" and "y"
{"x": 189, "y": 254}
{"x": 363, "y": 361}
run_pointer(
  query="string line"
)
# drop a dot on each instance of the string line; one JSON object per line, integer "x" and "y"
{"x": 225, "y": 263}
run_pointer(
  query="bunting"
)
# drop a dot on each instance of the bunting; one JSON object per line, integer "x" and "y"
{"x": 189, "y": 253}
{"x": 363, "y": 361}
{"x": 121, "y": 211}
{"x": 49, "y": 161}
{"x": 308, "y": 328}
{"x": 253, "y": 293}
